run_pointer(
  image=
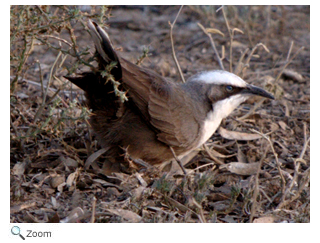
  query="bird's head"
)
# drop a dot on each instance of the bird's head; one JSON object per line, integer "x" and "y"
{"x": 226, "y": 91}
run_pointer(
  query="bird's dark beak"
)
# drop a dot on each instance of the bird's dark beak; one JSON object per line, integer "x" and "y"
{"x": 251, "y": 89}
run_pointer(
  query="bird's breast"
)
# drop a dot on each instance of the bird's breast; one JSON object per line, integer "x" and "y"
{"x": 209, "y": 126}
{"x": 220, "y": 110}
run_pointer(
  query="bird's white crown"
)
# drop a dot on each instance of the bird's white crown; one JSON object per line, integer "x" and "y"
{"x": 219, "y": 77}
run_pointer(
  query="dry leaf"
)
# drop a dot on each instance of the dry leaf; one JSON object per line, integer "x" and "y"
{"x": 141, "y": 180}
{"x": 229, "y": 219}
{"x": 60, "y": 187}
{"x": 74, "y": 216}
{"x": 57, "y": 180}
{"x": 242, "y": 168}
{"x": 54, "y": 202}
{"x": 283, "y": 125}
{"x": 126, "y": 214}
{"x": 274, "y": 127}
{"x": 19, "y": 168}
{"x": 69, "y": 162}
{"x": 214, "y": 31}
{"x": 105, "y": 183}
{"x": 137, "y": 192}
{"x": 293, "y": 75}
{"x": 237, "y": 30}
{"x": 241, "y": 156}
{"x": 94, "y": 156}
{"x": 18, "y": 208}
{"x": 237, "y": 44}
{"x": 216, "y": 153}
{"x": 232, "y": 135}
{"x": 264, "y": 220}
{"x": 71, "y": 180}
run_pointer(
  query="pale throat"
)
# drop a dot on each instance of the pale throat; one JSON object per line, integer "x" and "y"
{"x": 220, "y": 110}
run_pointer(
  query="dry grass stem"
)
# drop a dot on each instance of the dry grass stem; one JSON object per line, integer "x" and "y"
{"x": 240, "y": 66}
{"x": 306, "y": 141}
{"x": 256, "y": 186}
{"x": 252, "y": 110}
{"x": 231, "y": 39}
{"x": 25, "y": 55}
{"x": 212, "y": 156}
{"x": 288, "y": 60}
{"x": 178, "y": 161}
{"x": 246, "y": 64}
{"x": 94, "y": 202}
{"x": 294, "y": 180}
{"x": 219, "y": 59}
{"x": 172, "y": 46}
{"x": 202, "y": 166}
{"x": 276, "y": 158}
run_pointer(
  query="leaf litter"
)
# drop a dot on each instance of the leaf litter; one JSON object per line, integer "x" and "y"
{"x": 58, "y": 170}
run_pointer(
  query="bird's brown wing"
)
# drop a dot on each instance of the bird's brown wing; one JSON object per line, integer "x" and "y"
{"x": 172, "y": 114}
{"x": 162, "y": 103}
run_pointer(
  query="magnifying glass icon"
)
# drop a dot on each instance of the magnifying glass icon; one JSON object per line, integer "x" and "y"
{"x": 15, "y": 230}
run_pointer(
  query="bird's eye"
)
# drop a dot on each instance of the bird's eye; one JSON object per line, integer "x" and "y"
{"x": 229, "y": 88}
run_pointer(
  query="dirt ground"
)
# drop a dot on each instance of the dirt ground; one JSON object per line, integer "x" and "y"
{"x": 239, "y": 175}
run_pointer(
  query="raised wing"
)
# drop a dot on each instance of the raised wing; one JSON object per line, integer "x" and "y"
{"x": 161, "y": 102}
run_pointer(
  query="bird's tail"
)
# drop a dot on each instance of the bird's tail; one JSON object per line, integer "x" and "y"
{"x": 103, "y": 44}
{"x": 100, "y": 92}
{"x": 107, "y": 58}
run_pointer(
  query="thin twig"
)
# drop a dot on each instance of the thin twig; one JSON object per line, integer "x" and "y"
{"x": 305, "y": 178}
{"x": 41, "y": 78}
{"x": 59, "y": 39}
{"x": 306, "y": 141}
{"x": 246, "y": 64}
{"x": 283, "y": 201}
{"x": 172, "y": 45}
{"x": 256, "y": 186}
{"x": 290, "y": 50}
{"x": 213, "y": 46}
{"x": 239, "y": 66}
{"x": 288, "y": 60}
{"x": 94, "y": 201}
{"x": 218, "y": 161}
{"x": 181, "y": 207}
{"x": 17, "y": 134}
{"x": 253, "y": 109}
{"x": 276, "y": 157}
{"x": 178, "y": 160}
{"x": 24, "y": 57}
{"x": 40, "y": 109}
{"x": 202, "y": 166}
{"x": 46, "y": 90}
{"x": 231, "y": 38}
{"x": 52, "y": 90}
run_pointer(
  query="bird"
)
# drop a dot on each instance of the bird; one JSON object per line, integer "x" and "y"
{"x": 149, "y": 116}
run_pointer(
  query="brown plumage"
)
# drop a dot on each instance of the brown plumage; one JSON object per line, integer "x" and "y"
{"x": 158, "y": 114}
